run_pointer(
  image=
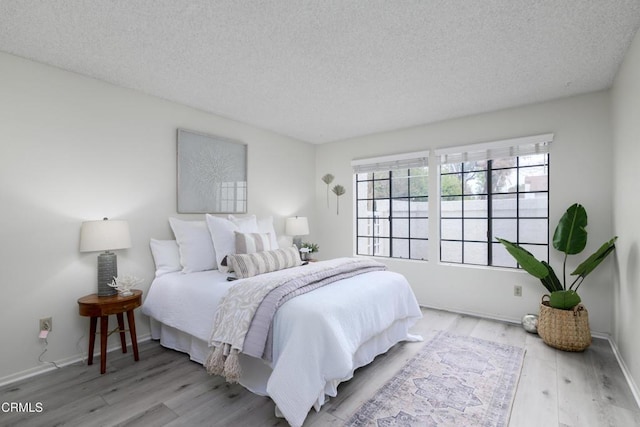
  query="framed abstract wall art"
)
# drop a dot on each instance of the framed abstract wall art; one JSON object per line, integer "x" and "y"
{"x": 212, "y": 174}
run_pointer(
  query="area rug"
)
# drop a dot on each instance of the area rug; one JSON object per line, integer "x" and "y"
{"x": 452, "y": 381}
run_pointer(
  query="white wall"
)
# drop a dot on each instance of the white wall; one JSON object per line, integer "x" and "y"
{"x": 580, "y": 172}
{"x": 72, "y": 149}
{"x": 626, "y": 205}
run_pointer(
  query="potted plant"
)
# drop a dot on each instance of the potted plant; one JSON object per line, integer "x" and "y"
{"x": 570, "y": 237}
{"x": 306, "y": 249}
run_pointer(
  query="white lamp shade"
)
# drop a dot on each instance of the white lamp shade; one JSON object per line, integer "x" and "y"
{"x": 297, "y": 226}
{"x": 104, "y": 235}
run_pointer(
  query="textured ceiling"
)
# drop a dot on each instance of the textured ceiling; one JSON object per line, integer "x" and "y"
{"x": 327, "y": 70}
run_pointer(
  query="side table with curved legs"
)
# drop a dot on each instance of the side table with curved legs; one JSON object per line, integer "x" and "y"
{"x": 96, "y": 307}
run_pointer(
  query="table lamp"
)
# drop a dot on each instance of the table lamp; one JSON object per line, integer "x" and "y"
{"x": 105, "y": 235}
{"x": 296, "y": 227}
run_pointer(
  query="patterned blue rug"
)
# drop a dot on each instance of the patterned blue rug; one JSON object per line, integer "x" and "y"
{"x": 453, "y": 381}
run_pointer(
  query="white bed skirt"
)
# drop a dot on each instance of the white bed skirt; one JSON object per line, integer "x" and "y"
{"x": 256, "y": 372}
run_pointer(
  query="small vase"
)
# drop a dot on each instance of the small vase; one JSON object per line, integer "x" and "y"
{"x": 530, "y": 323}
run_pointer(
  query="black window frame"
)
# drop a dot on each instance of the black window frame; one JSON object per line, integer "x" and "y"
{"x": 389, "y": 177}
{"x": 489, "y": 193}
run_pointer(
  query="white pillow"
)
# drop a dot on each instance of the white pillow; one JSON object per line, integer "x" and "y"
{"x": 166, "y": 255}
{"x": 249, "y": 224}
{"x": 265, "y": 225}
{"x": 222, "y": 234}
{"x": 197, "y": 252}
{"x": 246, "y": 224}
{"x": 284, "y": 242}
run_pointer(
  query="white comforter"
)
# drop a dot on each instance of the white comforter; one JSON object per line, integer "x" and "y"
{"x": 320, "y": 338}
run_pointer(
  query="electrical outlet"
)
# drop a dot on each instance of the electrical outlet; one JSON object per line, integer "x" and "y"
{"x": 517, "y": 291}
{"x": 46, "y": 324}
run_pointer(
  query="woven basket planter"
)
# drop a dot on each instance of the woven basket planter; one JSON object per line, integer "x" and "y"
{"x": 566, "y": 330}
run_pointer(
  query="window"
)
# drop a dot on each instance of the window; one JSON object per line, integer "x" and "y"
{"x": 392, "y": 209}
{"x": 494, "y": 190}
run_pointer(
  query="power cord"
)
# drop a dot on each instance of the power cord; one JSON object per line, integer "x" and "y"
{"x": 80, "y": 350}
{"x": 46, "y": 343}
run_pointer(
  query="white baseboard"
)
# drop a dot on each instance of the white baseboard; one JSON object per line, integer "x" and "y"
{"x": 632, "y": 384}
{"x": 49, "y": 366}
{"x": 475, "y": 314}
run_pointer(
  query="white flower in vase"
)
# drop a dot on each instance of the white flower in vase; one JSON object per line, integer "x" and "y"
{"x": 304, "y": 253}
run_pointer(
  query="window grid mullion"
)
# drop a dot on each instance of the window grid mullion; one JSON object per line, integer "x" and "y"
{"x": 489, "y": 181}
{"x": 518, "y": 200}
{"x": 462, "y": 210}
{"x": 390, "y": 219}
{"x": 357, "y": 216}
{"x": 409, "y": 211}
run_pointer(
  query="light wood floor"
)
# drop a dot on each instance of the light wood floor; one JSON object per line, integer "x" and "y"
{"x": 166, "y": 389}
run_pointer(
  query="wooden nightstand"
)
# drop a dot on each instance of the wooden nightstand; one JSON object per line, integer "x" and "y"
{"x": 94, "y": 306}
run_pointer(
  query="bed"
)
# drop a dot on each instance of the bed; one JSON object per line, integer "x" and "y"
{"x": 318, "y": 340}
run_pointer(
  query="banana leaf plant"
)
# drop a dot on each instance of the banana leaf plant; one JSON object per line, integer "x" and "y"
{"x": 570, "y": 237}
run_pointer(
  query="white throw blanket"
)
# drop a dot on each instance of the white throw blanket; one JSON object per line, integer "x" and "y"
{"x": 237, "y": 309}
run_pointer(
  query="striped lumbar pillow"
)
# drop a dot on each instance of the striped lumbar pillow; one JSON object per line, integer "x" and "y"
{"x": 248, "y": 265}
{"x": 248, "y": 243}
